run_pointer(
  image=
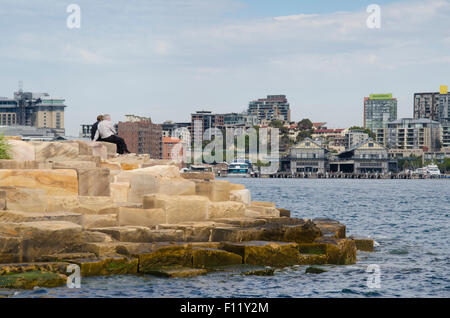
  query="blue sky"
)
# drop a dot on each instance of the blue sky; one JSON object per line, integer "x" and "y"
{"x": 168, "y": 58}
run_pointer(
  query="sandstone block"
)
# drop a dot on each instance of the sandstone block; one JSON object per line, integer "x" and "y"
{"x": 243, "y": 196}
{"x": 111, "y": 149}
{"x": 99, "y": 220}
{"x": 18, "y": 217}
{"x": 21, "y": 199}
{"x": 277, "y": 254}
{"x": 331, "y": 227}
{"x": 44, "y": 237}
{"x": 179, "y": 209}
{"x": 221, "y": 191}
{"x": 363, "y": 243}
{"x": 264, "y": 210}
{"x": 180, "y": 256}
{"x": 339, "y": 251}
{"x": 211, "y": 258}
{"x": 74, "y": 164}
{"x": 61, "y": 150}
{"x": 98, "y": 149}
{"x": 263, "y": 204}
{"x": 234, "y": 186}
{"x": 18, "y": 164}
{"x": 119, "y": 191}
{"x": 226, "y": 209}
{"x": 54, "y": 182}
{"x": 198, "y": 175}
{"x": 118, "y": 265}
{"x": 22, "y": 151}
{"x": 128, "y": 233}
{"x": 93, "y": 182}
{"x": 143, "y": 217}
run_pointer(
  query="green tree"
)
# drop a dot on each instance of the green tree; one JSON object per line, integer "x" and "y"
{"x": 305, "y": 124}
{"x": 5, "y": 148}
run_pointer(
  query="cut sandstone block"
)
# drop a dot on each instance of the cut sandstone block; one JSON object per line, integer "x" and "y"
{"x": 44, "y": 237}
{"x": 263, "y": 204}
{"x": 22, "y": 151}
{"x": 143, "y": 217}
{"x": 264, "y": 211}
{"x": 99, "y": 220}
{"x": 21, "y": 199}
{"x": 74, "y": 164}
{"x": 265, "y": 253}
{"x": 119, "y": 191}
{"x": 18, "y": 164}
{"x": 221, "y": 191}
{"x": 18, "y": 217}
{"x": 49, "y": 150}
{"x": 54, "y": 182}
{"x": 179, "y": 208}
{"x": 94, "y": 182}
{"x": 226, "y": 209}
{"x": 243, "y": 196}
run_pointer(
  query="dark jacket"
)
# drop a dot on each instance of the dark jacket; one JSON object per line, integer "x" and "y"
{"x": 94, "y": 130}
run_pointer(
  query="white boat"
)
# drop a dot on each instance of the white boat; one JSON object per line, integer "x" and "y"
{"x": 433, "y": 170}
{"x": 239, "y": 169}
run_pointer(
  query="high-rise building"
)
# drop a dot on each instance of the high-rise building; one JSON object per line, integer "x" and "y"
{"x": 379, "y": 109}
{"x": 141, "y": 135}
{"x": 444, "y": 105}
{"x": 33, "y": 109}
{"x": 426, "y": 105}
{"x": 271, "y": 108}
{"x": 410, "y": 134}
{"x": 434, "y": 106}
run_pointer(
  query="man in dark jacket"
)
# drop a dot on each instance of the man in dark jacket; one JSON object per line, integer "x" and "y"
{"x": 95, "y": 126}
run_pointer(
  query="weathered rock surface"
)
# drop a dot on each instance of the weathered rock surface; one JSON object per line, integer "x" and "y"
{"x": 18, "y": 217}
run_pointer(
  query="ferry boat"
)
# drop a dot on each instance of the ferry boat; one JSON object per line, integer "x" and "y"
{"x": 240, "y": 169}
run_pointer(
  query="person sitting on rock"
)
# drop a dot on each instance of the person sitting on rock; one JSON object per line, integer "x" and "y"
{"x": 107, "y": 133}
{"x": 95, "y": 126}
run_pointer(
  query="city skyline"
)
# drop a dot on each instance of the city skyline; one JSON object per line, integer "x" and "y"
{"x": 166, "y": 60}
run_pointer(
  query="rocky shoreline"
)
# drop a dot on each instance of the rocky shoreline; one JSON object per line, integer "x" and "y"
{"x": 76, "y": 202}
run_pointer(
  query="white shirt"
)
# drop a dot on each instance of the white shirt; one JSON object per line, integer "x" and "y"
{"x": 104, "y": 130}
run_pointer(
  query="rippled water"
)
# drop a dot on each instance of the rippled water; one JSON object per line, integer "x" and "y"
{"x": 410, "y": 219}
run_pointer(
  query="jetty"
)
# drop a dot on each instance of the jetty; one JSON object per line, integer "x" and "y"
{"x": 78, "y": 203}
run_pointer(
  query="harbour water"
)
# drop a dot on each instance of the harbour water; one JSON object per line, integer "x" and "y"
{"x": 409, "y": 219}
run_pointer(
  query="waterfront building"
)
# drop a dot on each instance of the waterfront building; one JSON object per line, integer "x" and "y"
{"x": 177, "y": 130}
{"x": 355, "y": 137}
{"x": 444, "y": 105}
{"x": 168, "y": 143}
{"x": 379, "y": 109}
{"x": 39, "y": 110}
{"x": 409, "y": 133}
{"x": 270, "y": 108}
{"x": 366, "y": 157}
{"x": 141, "y": 135}
{"x": 308, "y": 156}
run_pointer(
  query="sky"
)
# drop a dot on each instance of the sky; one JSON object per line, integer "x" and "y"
{"x": 165, "y": 59}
